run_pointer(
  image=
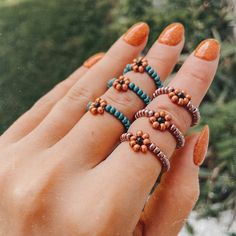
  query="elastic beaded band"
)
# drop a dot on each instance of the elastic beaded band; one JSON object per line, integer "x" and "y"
{"x": 180, "y": 98}
{"x": 123, "y": 84}
{"x": 162, "y": 121}
{"x": 100, "y": 105}
{"x": 141, "y": 142}
{"x": 141, "y": 65}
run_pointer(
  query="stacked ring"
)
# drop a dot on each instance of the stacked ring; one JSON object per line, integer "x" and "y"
{"x": 141, "y": 142}
{"x": 123, "y": 84}
{"x": 162, "y": 121}
{"x": 180, "y": 98}
{"x": 100, "y": 105}
{"x": 141, "y": 65}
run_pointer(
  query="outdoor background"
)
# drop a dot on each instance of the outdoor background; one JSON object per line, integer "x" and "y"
{"x": 43, "y": 41}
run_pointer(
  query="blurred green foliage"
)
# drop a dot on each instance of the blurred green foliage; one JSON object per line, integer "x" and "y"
{"x": 41, "y": 42}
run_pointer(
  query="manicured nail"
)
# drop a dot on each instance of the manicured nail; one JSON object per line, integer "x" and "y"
{"x": 93, "y": 59}
{"x": 208, "y": 50}
{"x": 172, "y": 34}
{"x": 201, "y": 146}
{"x": 137, "y": 34}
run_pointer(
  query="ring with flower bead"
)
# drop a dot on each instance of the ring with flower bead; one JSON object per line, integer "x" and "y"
{"x": 141, "y": 65}
{"x": 160, "y": 120}
{"x": 123, "y": 83}
{"x": 180, "y": 98}
{"x": 141, "y": 143}
{"x": 100, "y": 106}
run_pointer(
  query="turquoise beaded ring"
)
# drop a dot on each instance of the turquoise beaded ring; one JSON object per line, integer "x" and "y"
{"x": 100, "y": 105}
{"x": 123, "y": 84}
{"x": 141, "y": 65}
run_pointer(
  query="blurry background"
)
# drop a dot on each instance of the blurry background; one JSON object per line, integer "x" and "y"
{"x": 42, "y": 42}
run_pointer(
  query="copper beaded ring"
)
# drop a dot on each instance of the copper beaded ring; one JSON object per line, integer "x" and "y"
{"x": 162, "y": 121}
{"x": 123, "y": 83}
{"x": 141, "y": 65}
{"x": 180, "y": 98}
{"x": 141, "y": 143}
{"x": 100, "y": 105}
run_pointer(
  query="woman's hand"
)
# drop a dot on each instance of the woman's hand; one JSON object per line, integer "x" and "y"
{"x": 61, "y": 172}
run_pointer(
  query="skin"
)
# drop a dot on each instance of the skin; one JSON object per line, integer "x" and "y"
{"x": 62, "y": 174}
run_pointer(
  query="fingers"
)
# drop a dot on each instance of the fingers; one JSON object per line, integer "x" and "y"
{"x": 170, "y": 204}
{"x": 105, "y": 130}
{"x": 69, "y": 110}
{"x": 28, "y": 121}
{"x": 140, "y": 171}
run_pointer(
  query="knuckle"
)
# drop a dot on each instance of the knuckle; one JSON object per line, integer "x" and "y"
{"x": 63, "y": 86}
{"x": 122, "y": 101}
{"x": 79, "y": 94}
{"x": 198, "y": 75}
{"x": 159, "y": 60}
{"x": 44, "y": 101}
{"x": 118, "y": 57}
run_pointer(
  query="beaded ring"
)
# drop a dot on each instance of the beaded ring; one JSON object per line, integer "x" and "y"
{"x": 162, "y": 121}
{"x": 123, "y": 84}
{"x": 141, "y": 142}
{"x": 141, "y": 65}
{"x": 100, "y": 105}
{"x": 180, "y": 98}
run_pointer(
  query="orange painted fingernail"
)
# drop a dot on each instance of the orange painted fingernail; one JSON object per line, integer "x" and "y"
{"x": 208, "y": 50}
{"x": 201, "y": 146}
{"x": 137, "y": 34}
{"x": 93, "y": 59}
{"x": 172, "y": 34}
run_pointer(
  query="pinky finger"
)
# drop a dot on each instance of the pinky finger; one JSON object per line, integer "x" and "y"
{"x": 173, "y": 200}
{"x": 30, "y": 120}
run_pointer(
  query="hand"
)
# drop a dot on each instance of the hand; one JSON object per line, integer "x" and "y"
{"x": 60, "y": 170}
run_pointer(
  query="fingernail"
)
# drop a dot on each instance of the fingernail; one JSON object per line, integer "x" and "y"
{"x": 137, "y": 34}
{"x": 93, "y": 59}
{"x": 208, "y": 50}
{"x": 201, "y": 146}
{"x": 172, "y": 34}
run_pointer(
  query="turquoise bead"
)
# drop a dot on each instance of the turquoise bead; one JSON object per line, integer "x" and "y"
{"x": 150, "y": 71}
{"x": 147, "y": 100}
{"x": 144, "y": 96}
{"x": 108, "y": 108}
{"x": 112, "y": 110}
{"x": 140, "y": 92}
{"x": 131, "y": 85}
{"x": 124, "y": 120}
{"x": 147, "y": 68}
{"x": 117, "y": 113}
{"x": 121, "y": 116}
{"x": 136, "y": 88}
{"x": 154, "y": 74}
{"x": 110, "y": 82}
{"x": 88, "y": 105}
